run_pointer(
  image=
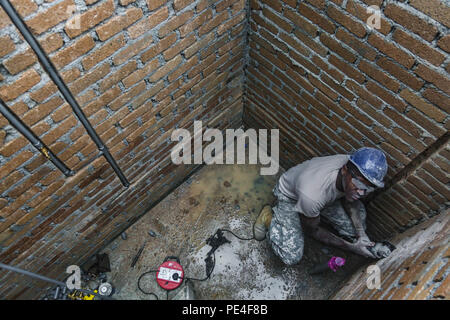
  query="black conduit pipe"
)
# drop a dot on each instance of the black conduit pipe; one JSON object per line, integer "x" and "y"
{"x": 54, "y": 75}
{"x": 34, "y": 140}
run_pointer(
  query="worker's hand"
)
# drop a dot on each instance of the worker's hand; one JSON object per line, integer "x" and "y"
{"x": 364, "y": 240}
{"x": 361, "y": 249}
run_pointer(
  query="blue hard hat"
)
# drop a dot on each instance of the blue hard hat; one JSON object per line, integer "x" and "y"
{"x": 372, "y": 164}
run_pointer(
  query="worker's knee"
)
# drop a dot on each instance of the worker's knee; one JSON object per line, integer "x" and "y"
{"x": 292, "y": 256}
{"x": 291, "y": 260}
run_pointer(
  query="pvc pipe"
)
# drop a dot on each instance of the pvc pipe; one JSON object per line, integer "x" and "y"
{"x": 54, "y": 75}
{"x": 34, "y": 140}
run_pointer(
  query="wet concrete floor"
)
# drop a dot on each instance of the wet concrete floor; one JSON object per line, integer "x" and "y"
{"x": 228, "y": 197}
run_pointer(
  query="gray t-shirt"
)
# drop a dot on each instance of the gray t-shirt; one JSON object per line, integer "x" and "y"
{"x": 313, "y": 183}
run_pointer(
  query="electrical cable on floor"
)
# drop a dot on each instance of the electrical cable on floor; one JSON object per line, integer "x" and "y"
{"x": 139, "y": 284}
{"x": 215, "y": 241}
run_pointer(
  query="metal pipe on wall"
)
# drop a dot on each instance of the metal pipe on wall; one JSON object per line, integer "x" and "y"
{"x": 54, "y": 75}
{"x": 34, "y": 140}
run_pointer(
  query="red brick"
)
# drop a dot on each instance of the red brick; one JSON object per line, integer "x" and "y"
{"x": 196, "y": 22}
{"x": 363, "y": 14}
{"x": 51, "y": 17}
{"x": 103, "y": 52}
{"x": 6, "y": 45}
{"x": 318, "y": 19}
{"x": 420, "y": 48}
{"x": 101, "y": 101}
{"x": 20, "y": 61}
{"x": 304, "y": 62}
{"x": 357, "y": 45}
{"x": 140, "y": 73}
{"x": 154, "y": 4}
{"x": 316, "y": 46}
{"x": 412, "y": 22}
{"x": 437, "y": 98}
{"x": 292, "y": 3}
{"x": 231, "y": 23}
{"x": 434, "y": 77}
{"x": 90, "y": 18}
{"x": 401, "y": 74}
{"x": 392, "y": 51}
{"x": 89, "y": 78}
{"x": 275, "y": 4}
{"x": 337, "y": 48}
{"x": 175, "y": 23}
{"x": 337, "y": 87}
{"x": 296, "y": 45}
{"x": 386, "y": 96}
{"x": 64, "y": 56}
{"x": 41, "y": 111}
{"x": 328, "y": 69}
{"x": 181, "y": 4}
{"x": 347, "y": 21}
{"x": 274, "y": 18}
{"x": 444, "y": 43}
{"x": 118, "y": 23}
{"x": 322, "y": 87}
{"x": 301, "y": 22}
{"x": 347, "y": 69}
{"x": 422, "y": 105}
{"x": 436, "y": 9}
{"x": 189, "y": 52}
{"x": 148, "y": 23}
{"x": 13, "y": 146}
{"x": 214, "y": 22}
{"x": 27, "y": 58}
{"x": 21, "y": 85}
{"x": 180, "y": 46}
{"x": 379, "y": 76}
{"x": 132, "y": 49}
{"x": 431, "y": 126}
{"x": 317, "y": 3}
{"x": 161, "y": 46}
{"x": 60, "y": 130}
{"x": 11, "y": 165}
{"x": 24, "y": 7}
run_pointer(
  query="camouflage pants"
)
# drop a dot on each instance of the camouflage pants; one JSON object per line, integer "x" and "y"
{"x": 285, "y": 233}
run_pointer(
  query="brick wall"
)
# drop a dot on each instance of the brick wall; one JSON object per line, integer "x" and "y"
{"x": 141, "y": 68}
{"x": 417, "y": 270}
{"x": 138, "y": 69}
{"x": 332, "y": 85}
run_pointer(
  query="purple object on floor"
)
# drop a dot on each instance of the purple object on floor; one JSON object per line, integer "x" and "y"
{"x": 335, "y": 263}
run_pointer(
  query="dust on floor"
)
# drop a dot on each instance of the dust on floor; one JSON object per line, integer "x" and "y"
{"x": 227, "y": 197}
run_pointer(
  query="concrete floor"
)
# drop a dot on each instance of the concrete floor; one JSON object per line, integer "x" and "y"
{"x": 220, "y": 196}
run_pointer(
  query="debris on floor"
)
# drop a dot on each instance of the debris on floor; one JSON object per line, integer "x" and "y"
{"x": 219, "y": 197}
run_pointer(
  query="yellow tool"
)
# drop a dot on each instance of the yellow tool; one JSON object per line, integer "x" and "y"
{"x": 78, "y": 295}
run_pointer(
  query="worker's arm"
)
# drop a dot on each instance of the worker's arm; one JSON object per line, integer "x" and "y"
{"x": 323, "y": 235}
{"x": 352, "y": 209}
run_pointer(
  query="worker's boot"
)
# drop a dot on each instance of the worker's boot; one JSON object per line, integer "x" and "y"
{"x": 262, "y": 223}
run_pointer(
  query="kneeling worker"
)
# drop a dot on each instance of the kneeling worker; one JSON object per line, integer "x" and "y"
{"x": 323, "y": 188}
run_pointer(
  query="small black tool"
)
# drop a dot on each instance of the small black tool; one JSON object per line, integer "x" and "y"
{"x": 136, "y": 258}
{"x": 215, "y": 241}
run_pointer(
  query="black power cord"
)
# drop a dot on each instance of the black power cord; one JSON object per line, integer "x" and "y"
{"x": 215, "y": 241}
{"x": 139, "y": 284}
